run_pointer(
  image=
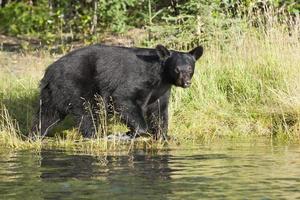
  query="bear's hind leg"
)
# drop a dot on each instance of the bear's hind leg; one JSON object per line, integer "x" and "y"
{"x": 45, "y": 120}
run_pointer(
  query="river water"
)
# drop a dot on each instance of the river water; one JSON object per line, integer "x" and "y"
{"x": 232, "y": 170}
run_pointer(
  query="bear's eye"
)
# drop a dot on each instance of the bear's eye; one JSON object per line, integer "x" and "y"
{"x": 189, "y": 68}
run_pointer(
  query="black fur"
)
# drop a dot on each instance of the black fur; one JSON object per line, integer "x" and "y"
{"x": 135, "y": 81}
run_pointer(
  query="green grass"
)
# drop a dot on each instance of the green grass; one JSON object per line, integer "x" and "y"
{"x": 252, "y": 88}
{"x": 245, "y": 86}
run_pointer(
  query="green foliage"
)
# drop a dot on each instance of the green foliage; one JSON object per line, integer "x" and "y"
{"x": 113, "y": 14}
{"x": 180, "y": 24}
{"x": 21, "y": 18}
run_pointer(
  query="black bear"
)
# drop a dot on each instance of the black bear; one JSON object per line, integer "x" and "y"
{"x": 136, "y": 82}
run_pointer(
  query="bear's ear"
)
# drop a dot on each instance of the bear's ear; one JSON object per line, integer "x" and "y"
{"x": 197, "y": 52}
{"x": 162, "y": 52}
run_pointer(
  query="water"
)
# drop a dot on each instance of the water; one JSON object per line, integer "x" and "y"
{"x": 228, "y": 171}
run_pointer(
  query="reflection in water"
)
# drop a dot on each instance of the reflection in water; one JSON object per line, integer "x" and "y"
{"x": 235, "y": 172}
{"x": 117, "y": 176}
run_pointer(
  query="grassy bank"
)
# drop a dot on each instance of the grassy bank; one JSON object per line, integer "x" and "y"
{"x": 246, "y": 84}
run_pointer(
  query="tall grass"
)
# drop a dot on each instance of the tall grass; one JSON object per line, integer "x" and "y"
{"x": 247, "y": 84}
{"x": 11, "y": 136}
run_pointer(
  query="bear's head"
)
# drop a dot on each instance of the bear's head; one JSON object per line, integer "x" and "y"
{"x": 179, "y": 66}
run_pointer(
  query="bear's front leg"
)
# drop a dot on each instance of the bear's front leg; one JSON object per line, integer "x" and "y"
{"x": 132, "y": 115}
{"x": 157, "y": 117}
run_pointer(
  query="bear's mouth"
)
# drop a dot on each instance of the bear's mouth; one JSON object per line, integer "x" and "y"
{"x": 186, "y": 84}
{"x": 183, "y": 84}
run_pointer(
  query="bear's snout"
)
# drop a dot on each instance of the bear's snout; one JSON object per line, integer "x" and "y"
{"x": 187, "y": 84}
{"x": 184, "y": 80}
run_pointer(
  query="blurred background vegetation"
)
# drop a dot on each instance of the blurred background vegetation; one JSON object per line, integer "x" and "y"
{"x": 179, "y": 23}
